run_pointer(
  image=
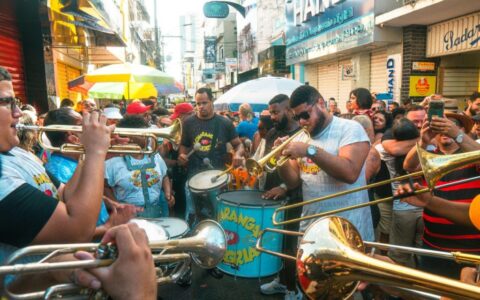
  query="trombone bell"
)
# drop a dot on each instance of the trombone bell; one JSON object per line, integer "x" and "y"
{"x": 331, "y": 263}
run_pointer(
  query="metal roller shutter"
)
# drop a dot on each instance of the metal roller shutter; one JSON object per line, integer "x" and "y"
{"x": 11, "y": 52}
{"x": 459, "y": 83}
{"x": 328, "y": 80}
{"x": 311, "y": 75}
{"x": 344, "y": 85}
{"x": 65, "y": 73}
{"x": 378, "y": 71}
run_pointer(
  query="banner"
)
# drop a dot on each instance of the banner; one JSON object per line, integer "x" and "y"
{"x": 210, "y": 49}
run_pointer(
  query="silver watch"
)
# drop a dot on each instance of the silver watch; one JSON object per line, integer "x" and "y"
{"x": 459, "y": 138}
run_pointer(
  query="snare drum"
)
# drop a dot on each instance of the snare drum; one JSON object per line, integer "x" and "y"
{"x": 243, "y": 215}
{"x": 175, "y": 227}
{"x": 154, "y": 231}
{"x": 204, "y": 192}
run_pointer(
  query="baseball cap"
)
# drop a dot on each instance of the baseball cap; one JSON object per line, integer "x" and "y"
{"x": 112, "y": 113}
{"x": 181, "y": 108}
{"x": 137, "y": 107}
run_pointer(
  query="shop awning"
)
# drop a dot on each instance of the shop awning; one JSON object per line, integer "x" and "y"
{"x": 84, "y": 23}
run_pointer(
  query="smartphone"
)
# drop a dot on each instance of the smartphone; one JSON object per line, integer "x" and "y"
{"x": 435, "y": 108}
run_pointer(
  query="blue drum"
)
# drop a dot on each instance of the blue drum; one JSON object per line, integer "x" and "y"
{"x": 243, "y": 215}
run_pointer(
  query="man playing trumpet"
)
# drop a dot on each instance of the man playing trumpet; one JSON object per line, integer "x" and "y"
{"x": 331, "y": 162}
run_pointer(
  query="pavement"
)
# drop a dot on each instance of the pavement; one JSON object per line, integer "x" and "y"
{"x": 206, "y": 287}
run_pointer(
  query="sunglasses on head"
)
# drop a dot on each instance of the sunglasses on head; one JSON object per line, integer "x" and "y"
{"x": 13, "y": 102}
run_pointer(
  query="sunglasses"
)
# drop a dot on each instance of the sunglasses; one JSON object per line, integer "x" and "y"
{"x": 305, "y": 115}
{"x": 11, "y": 102}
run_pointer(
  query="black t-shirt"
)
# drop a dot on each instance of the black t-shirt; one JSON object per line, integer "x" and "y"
{"x": 215, "y": 132}
{"x": 23, "y": 213}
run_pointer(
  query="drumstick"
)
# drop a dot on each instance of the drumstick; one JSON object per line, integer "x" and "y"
{"x": 215, "y": 178}
{"x": 196, "y": 147}
{"x": 206, "y": 161}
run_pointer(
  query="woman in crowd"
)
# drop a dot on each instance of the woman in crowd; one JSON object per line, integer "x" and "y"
{"x": 382, "y": 121}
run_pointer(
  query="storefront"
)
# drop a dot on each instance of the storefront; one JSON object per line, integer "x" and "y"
{"x": 456, "y": 43}
{"x": 337, "y": 48}
{"x": 11, "y": 54}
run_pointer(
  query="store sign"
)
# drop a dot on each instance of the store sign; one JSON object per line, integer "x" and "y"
{"x": 423, "y": 66}
{"x": 316, "y": 28}
{"x": 210, "y": 49}
{"x": 391, "y": 75}
{"x": 422, "y": 86}
{"x": 454, "y": 36}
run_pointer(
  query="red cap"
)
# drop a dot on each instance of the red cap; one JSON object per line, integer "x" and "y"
{"x": 181, "y": 108}
{"x": 137, "y": 107}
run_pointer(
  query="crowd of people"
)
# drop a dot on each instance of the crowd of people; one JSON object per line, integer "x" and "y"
{"x": 49, "y": 197}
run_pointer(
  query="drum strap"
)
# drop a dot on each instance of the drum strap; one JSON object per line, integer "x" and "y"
{"x": 142, "y": 167}
{"x": 215, "y": 137}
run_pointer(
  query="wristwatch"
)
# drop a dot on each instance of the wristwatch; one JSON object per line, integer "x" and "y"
{"x": 312, "y": 151}
{"x": 283, "y": 186}
{"x": 459, "y": 138}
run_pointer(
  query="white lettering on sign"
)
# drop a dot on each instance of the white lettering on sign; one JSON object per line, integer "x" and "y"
{"x": 304, "y": 10}
{"x": 391, "y": 75}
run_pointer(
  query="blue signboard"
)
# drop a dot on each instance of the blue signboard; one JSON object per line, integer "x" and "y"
{"x": 320, "y": 27}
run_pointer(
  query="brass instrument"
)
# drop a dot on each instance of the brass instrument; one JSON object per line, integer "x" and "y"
{"x": 255, "y": 168}
{"x": 206, "y": 248}
{"x": 434, "y": 167}
{"x": 331, "y": 262}
{"x": 172, "y": 133}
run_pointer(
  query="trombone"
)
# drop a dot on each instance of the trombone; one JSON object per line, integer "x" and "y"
{"x": 172, "y": 133}
{"x": 207, "y": 247}
{"x": 434, "y": 167}
{"x": 331, "y": 262}
{"x": 269, "y": 161}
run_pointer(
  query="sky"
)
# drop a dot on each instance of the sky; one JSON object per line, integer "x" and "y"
{"x": 168, "y": 14}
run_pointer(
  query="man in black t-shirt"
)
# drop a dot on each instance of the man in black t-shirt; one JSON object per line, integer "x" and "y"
{"x": 284, "y": 125}
{"x": 212, "y": 132}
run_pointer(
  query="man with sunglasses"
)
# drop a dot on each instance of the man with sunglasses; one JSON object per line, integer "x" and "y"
{"x": 332, "y": 161}
{"x": 30, "y": 210}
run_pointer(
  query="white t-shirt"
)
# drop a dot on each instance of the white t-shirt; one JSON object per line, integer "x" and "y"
{"x": 317, "y": 183}
{"x": 19, "y": 167}
{"x": 127, "y": 185}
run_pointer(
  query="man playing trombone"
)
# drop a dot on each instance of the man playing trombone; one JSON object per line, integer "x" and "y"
{"x": 333, "y": 160}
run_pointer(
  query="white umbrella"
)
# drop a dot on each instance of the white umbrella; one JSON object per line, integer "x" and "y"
{"x": 256, "y": 92}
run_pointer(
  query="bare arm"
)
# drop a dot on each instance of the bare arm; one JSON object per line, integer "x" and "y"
{"x": 372, "y": 165}
{"x": 398, "y": 148}
{"x": 75, "y": 220}
{"x": 239, "y": 151}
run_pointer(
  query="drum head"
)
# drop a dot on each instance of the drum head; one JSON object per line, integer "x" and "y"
{"x": 203, "y": 181}
{"x": 154, "y": 231}
{"x": 175, "y": 227}
{"x": 248, "y": 198}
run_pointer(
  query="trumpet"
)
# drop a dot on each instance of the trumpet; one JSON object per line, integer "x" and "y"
{"x": 434, "y": 167}
{"x": 172, "y": 133}
{"x": 331, "y": 262}
{"x": 206, "y": 248}
{"x": 269, "y": 161}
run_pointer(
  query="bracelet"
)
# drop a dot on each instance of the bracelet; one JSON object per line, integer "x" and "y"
{"x": 283, "y": 186}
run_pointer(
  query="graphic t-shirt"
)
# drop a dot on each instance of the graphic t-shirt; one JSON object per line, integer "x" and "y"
{"x": 63, "y": 168}
{"x": 317, "y": 183}
{"x": 217, "y": 130}
{"x": 127, "y": 184}
{"x": 19, "y": 167}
